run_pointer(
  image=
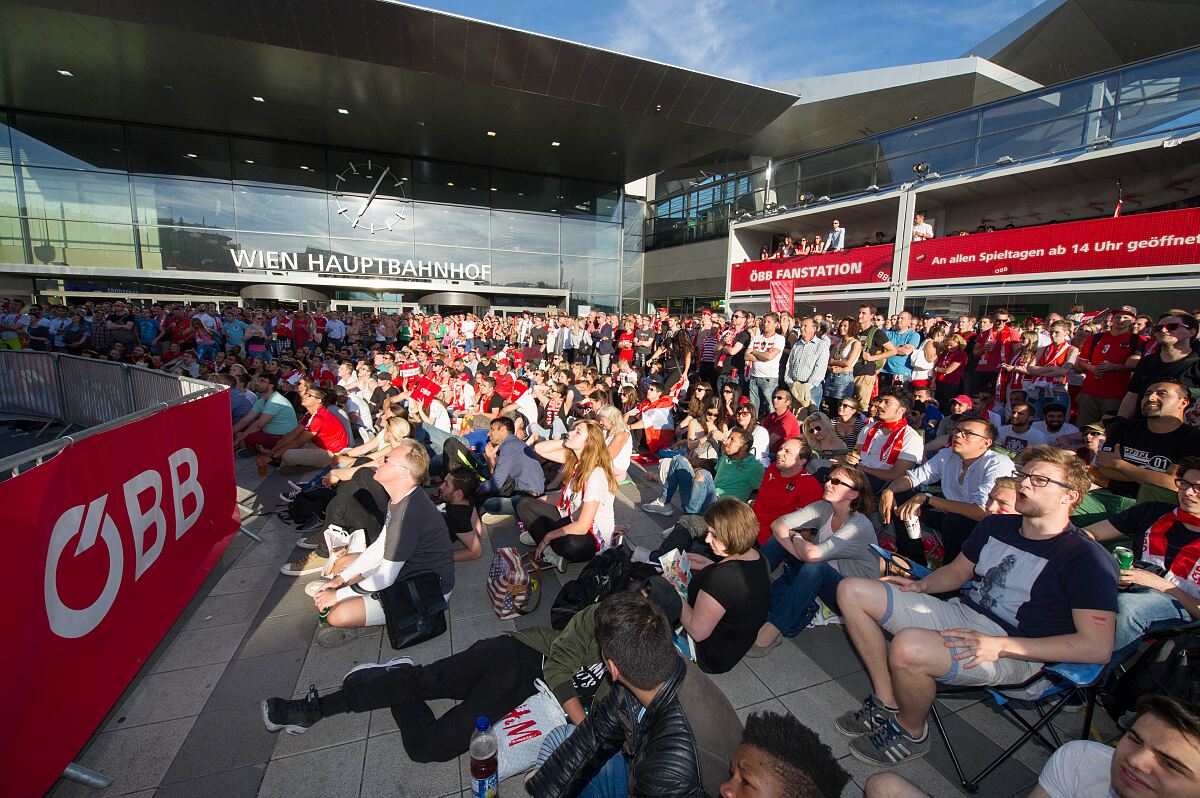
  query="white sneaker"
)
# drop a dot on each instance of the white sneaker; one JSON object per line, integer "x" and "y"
{"x": 495, "y": 518}
{"x": 658, "y": 507}
{"x": 391, "y": 663}
{"x": 551, "y": 556}
{"x": 312, "y": 587}
{"x": 527, "y": 539}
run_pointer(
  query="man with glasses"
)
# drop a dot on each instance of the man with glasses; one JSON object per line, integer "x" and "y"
{"x": 806, "y": 366}
{"x": 1138, "y": 458}
{"x": 1106, "y": 360}
{"x": 733, "y": 368}
{"x": 967, "y": 469}
{"x": 781, "y": 423}
{"x": 1041, "y": 591}
{"x": 1175, "y": 359}
{"x": 315, "y": 441}
{"x": 1162, "y": 588}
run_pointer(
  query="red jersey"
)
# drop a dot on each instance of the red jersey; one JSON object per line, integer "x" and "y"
{"x": 784, "y": 425}
{"x": 1109, "y": 348}
{"x": 779, "y": 495}
{"x": 504, "y": 383}
{"x": 328, "y": 432}
{"x": 999, "y": 340}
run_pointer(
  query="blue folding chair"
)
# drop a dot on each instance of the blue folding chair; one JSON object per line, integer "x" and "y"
{"x": 1064, "y": 682}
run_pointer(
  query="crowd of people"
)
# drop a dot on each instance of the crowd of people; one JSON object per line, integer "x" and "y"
{"x": 1003, "y": 453}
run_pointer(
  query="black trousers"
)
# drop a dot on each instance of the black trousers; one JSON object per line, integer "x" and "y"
{"x": 360, "y": 503}
{"x": 541, "y": 518}
{"x": 489, "y": 679}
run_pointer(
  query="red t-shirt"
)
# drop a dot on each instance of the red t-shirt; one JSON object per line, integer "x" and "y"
{"x": 504, "y": 384}
{"x": 1109, "y": 349}
{"x": 782, "y": 425}
{"x": 991, "y": 359}
{"x": 778, "y": 496}
{"x": 945, "y": 359}
{"x": 328, "y": 432}
{"x": 626, "y": 354}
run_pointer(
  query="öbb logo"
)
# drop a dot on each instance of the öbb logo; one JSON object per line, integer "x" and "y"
{"x": 90, "y": 521}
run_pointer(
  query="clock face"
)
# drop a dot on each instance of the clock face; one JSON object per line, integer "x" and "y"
{"x": 370, "y": 196}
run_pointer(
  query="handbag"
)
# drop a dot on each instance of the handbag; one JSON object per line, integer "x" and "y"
{"x": 520, "y": 733}
{"x": 414, "y": 609}
{"x": 512, "y": 584}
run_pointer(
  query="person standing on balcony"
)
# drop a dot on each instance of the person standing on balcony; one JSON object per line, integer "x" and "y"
{"x": 836, "y": 240}
{"x": 921, "y": 229}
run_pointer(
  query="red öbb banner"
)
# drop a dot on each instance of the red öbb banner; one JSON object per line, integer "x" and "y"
{"x": 121, "y": 528}
{"x": 852, "y": 267}
{"x": 1165, "y": 238}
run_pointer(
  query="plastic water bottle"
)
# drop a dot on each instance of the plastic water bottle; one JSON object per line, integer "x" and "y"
{"x": 484, "y": 769}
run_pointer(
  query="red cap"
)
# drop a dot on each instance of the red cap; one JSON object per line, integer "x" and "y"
{"x": 1130, "y": 309}
{"x": 503, "y": 360}
{"x": 745, "y": 400}
{"x": 706, "y": 312}
{"x": 964, "y": 400}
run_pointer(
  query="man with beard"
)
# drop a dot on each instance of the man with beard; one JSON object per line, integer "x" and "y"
{"x": 1139, "y": 457}
{"x": 1056, "y": 429}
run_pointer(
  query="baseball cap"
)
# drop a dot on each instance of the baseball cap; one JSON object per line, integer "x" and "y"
{"x": 1130, "y": 309}
{"x": 1095, "y": 426}
{"x": 964, "y": 400}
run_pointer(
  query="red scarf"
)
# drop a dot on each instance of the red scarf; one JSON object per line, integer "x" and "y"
{"x": 1185, "y": 567}
{"x": 891, "y": 447}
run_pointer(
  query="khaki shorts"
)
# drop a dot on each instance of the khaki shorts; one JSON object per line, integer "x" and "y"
{"x": 919, "y": 611}
{"x": 863, "y": 388}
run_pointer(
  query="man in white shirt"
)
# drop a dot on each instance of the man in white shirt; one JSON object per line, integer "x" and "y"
{"x": 836, "y": 240}
{"x": 921, "y": 229}
{"x": 889, "y": 447}
{"x": 762, "y": 358}
{"x": 1020, "y": 434}
{"x": 1058, "y": 431}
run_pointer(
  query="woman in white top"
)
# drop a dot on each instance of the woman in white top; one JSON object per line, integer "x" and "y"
{"x": 618, "y": 440}
{"x": 925, "y": 356}
{"x": 395, "y": 430}
{"x": 579, "y": 524}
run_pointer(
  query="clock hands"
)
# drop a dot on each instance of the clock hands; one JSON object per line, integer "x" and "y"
{"x": 371, "y": 196}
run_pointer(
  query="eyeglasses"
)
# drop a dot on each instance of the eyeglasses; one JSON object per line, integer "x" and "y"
{"x": 847, "y": 406}
{"x": 1185, "y": 486}
{"x": 1037, "y": 480}
{"x": 1172, "y": 327}
{"x": 842, "y": 482}
{"x": 711, "y": 415}
{"x": 782, "y": 398}
{"x": 745, "y": 413}
{"x": 727, "y": 391}
{"x": 966, "y": 433}
{"x": 312, "y": 395}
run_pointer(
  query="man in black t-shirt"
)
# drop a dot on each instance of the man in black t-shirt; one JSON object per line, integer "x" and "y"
{"x": 1043, "y": 592}
{"x": 733, "y": 370}
{"x": 1175, "y": 359}
{"x": 1163, "y": 587}
{"x": 1139, "y": 456}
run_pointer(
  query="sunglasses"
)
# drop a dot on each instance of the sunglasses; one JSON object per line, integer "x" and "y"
{"x": 711, "y": 415}
{"x": 744, "y": 413}
{"x": 1172, "y": 327}
{"x": 781, "y": 398}
{"x": 847, "y": 406}
{"x": 836, "y": 481}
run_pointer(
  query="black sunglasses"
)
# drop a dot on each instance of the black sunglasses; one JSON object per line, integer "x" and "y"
{"x": 842, "y": 482}
{"x": 1172, "y": 327}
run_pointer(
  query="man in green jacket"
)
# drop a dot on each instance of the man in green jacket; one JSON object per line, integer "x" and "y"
{"x": 491, "y": 678}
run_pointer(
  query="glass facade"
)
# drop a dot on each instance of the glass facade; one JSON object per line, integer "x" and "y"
{"x": 86, "y": 193}
{"x": 1139, "y": 101}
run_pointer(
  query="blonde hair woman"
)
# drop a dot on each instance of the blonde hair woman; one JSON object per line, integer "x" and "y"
{"x": 617, "y": 438}
{"x": 579, "y": 524}
{"x": 822, "y": 437}
{"x": 395, "y": 429}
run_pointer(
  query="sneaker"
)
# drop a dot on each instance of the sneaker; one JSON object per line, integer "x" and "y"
{"x": 396, "y": 662}
{"x": 866, "y": 719}
{"x": 294, "y": 716}
{"x": 246, "y": 453}
{"x": 312, "y": 541}
{"x": 495, "y": 518}
{"x": 312, "y": 587}
{"x": 311, "y": 563}
{"x": 334, "y": 636}
{"x": 889, "y": 745}
{"x": 315, "y": 525}
{"x": 527, "y": 539}
{"x": 288, "y": 496}
{"x": 294, "y": 487}
{"x": 658, "y": 507}
{"x": 551, "y": 556}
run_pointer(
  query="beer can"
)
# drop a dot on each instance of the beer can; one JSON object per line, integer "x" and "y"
{"x": 323, "y": 614}
{"x": 1124, "y": 557}
{"x": 913, "y": 527}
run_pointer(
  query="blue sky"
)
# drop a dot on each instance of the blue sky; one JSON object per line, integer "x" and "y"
{"x": 760, "y": 41}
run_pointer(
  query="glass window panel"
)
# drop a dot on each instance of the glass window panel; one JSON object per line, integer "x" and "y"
{"x": 1043, "y": 139}
{"x": 278, "y": 163}
{"x": 1161, "y": 77}
{"x": 12, "y": 247}
{"x": 86, "y": 196}
{"x": 377, "y": 250}
{"x": 178, "y": 248}
{"x": 608, "y": 304}
{"x": 521, "y": 192}
{"x": 920, "y": 138}
{"x": 604, "y": 276}
{"x": 277, "y": 210}
{"x": 6, "y": 151}
{"x": 847, "y": 181}
{"x": 68, "y": 243}
{"x": 523, "y": 269}
{"x": 442, "y": 182}
{"x": 70, "y": 143}
{"x": 9, "y": 206}
{"x": 453, "y": 256}
{"x": 382, "y": 218}
{"x": 1047, "y": 105}
{"x": 597, "y": 239}
{"x": 1159, "y": 114}
{"x": 524, "y": 232}
{"x": 302, "y": 246}
{"x": 583, "y": 198}
{"x": 841, "y": 158}
{"x": 451, "y": 225}
{"x": 190, "y": 203}
{"x": 178, "y": 152}
{"x": 943, "y": 160}
{"x": 785, "y": 172}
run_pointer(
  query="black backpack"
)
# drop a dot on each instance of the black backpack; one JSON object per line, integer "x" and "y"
{"x": 308, "y": 506}
{"x": 1170, "y": 666}
{"x": 604, "y": 575}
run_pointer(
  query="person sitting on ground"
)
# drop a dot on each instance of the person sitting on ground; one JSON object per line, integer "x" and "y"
{"x": 654, "y": 417}
{"x": 966, "y": 472}
{"x": 664, "y": 730}
{"x": 1002, "y": 499}
{"x": 781, "y": 422}
{"x": 1159, "y": 756}
{"x": 786, "y": 487}
{"x": 414, "y": 540}
{"x": 737, "y": 475}
{"x": 819, "y": 545}
{"x": 315, "y": 442}
{"x": 1163, "y": 587}
{"x": 888, "y": 447}
{"x": 369, "y": 454}
{"x": 1056, "y": 429}
{"x": 1042, "y": 591}
{"x": 580, "y": 524}
{"x": 466, "y": 530}
{"x": 271, "y": 417}
{"x": 618, "y": 439}
{"x": 515, "y": 469}
{"x": 728, "y": 599}
{"x": 780, "y": 757}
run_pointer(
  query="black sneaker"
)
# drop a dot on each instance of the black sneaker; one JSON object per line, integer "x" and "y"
{"x": 293, "y": 716}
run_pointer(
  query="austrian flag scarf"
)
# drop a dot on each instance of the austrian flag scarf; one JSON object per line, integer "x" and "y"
{"x": 1184, "y": 568}
{"x": 893, "y": 444}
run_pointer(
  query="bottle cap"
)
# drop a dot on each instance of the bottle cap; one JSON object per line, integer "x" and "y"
{"x": 481, "y": 723}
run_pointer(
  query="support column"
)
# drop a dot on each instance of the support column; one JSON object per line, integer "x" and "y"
{"x": 899, "y": 284}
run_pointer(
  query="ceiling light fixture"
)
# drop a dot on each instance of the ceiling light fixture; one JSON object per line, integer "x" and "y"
{"x": 191, "y": 155}
{"x": 420, "y": 123}
{"x": 258, "y": 99}
{"x": 450, "y": 184}
{"x": 249, "y": 161}
{"x": 343, "y": 111}
{"x": 495, "y": 189}
{"x": 66, "y": 73}
{"x": 555, "y": 144}
{"x": 492, "y": 133}
{"x": 306, "y": 168}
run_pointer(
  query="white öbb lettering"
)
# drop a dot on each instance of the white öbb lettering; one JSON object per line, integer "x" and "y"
{"x": 143, "y": 495}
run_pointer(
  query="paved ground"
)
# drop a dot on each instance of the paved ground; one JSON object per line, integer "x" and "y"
{"x": 189, "y": 726}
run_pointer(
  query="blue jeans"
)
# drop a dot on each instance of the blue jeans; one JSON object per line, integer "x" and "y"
{"x": 839, "y": 386}
{"x": 1141, "y": 611}
{"x": 761, "y": 391}
{"x": 1058, "y": 398}
{"x": 695, "y": 495}
{"x": 434, "y": 439}
{"x": 794, "y": 593}
{"x": 500, "y": 505}
{"x": 611, "y": 782}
